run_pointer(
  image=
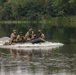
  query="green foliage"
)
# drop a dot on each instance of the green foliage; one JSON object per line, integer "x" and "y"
{"x": 35, "y": 9}
{"x": 73, "y": 7}
{"x": 2, "y": 1}
{"x": 6, "y": 13}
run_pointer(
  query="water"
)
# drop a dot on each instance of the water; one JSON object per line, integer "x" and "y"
{"x": 57, "y": 61}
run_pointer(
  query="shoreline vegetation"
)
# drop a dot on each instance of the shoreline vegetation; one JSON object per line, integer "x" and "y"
{"x": 30, "y": 10}
{"x": 69, "y": 21}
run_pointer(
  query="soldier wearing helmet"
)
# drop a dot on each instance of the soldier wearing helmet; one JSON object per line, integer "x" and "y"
{"x": 29, "y": 35}
{"x": 13, "y": 37}
{"x": 40, "y": 34}
{"x": 20, "y": 37}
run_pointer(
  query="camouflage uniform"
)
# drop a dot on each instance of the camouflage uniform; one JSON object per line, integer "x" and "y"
{"x": 40, "y": 34}
{"x": 13, "y": 38}
{"x": 20, "y": 38}
{"x": 29, "y": 35}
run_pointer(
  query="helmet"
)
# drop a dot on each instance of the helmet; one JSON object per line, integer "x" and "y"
{"x": 14, "y": 30}
{"x": 20, "y": 32}
{"x": 39, "y": 30}
{"x": 30, "y": 29}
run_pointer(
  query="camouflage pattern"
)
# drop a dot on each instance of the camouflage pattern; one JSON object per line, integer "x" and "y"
{"x": 13, "y": 38}
{"x": 20, "y": 38}
{"x": 28, "y": 36}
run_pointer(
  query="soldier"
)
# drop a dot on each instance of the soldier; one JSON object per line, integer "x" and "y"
{"x": 29, "y": 35}
{"x": 13, "y": 37}
{"x": 40, "y": 34}
{"x": 20, "y": 37}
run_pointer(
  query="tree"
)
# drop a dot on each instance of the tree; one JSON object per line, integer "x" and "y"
{"x": 2, "y": 2}
{"x": 6, "y": 12}
{"x": 73, "y": 7}
{"x": 60, "y": 7}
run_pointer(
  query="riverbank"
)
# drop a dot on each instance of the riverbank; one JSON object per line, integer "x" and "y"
{"x": 58, "y": 21}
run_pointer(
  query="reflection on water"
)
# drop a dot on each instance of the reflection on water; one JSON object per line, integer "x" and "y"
{"x": 59, "y": 61}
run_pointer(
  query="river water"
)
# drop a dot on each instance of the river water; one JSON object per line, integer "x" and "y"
{"x": 57, "y": 61}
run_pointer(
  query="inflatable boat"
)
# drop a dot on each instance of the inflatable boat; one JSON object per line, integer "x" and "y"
{"x": 37, "y": 40}
{"x": 37, "y": 43}
{"x": 33, "y": 41}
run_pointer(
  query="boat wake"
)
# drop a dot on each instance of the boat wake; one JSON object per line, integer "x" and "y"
{"x": 29, "y": 46}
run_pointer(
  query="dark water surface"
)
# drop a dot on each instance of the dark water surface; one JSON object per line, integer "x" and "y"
{"x": 59, "y": 61}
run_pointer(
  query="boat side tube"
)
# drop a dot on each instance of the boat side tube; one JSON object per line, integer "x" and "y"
{"x": 37, "y": 40}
